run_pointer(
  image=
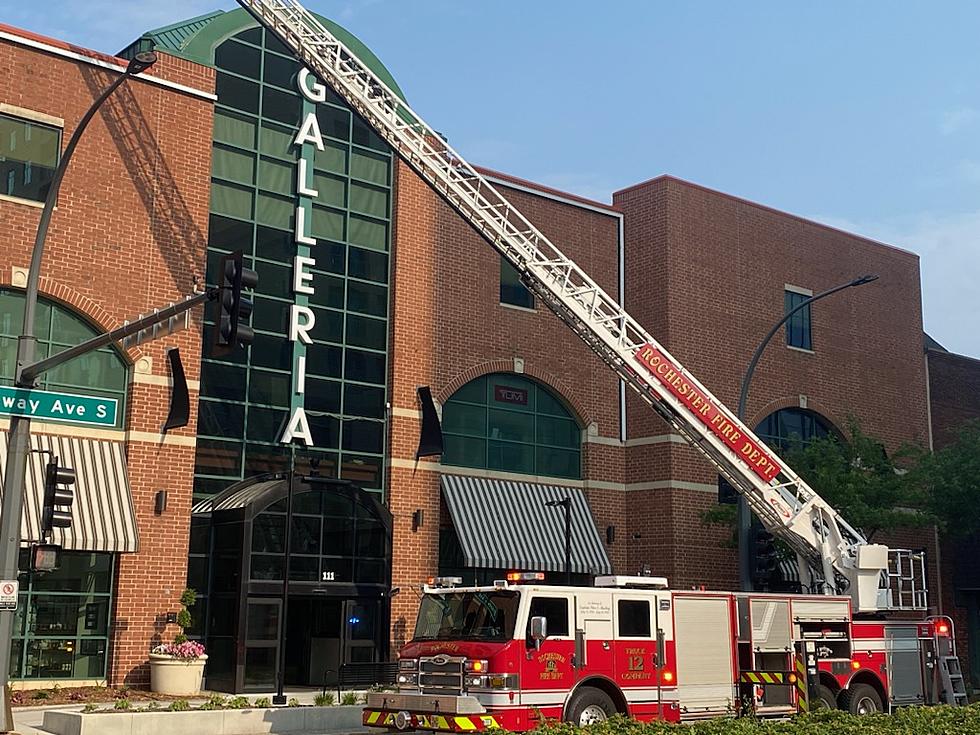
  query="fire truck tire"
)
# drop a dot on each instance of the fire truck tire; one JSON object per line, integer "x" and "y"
{"x": 589, "y": 705}
{"x": 823, "y": 698}
{"x": 860, "y": 699}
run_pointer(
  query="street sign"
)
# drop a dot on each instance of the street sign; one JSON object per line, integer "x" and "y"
{"x": 8, "y": 594}
{"x": 44, "y": 404}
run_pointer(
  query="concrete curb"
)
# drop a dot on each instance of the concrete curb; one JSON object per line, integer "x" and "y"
{"x": 206, "y": 722}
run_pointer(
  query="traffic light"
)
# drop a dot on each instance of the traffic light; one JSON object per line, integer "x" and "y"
{"x": 764, "y": 558}
{"x": 58, "y": 497}
{"x": 231, "y": 328}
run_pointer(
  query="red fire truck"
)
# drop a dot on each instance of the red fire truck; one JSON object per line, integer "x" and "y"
{"x": 494, "y": 656}
{"x": 510, "y": 654}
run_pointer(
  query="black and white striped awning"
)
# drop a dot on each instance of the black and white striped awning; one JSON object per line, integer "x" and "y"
{"x": 506, "y": 525}
{"x": 103, "y": 517}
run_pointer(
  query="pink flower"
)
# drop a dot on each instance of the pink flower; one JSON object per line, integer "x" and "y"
{"x": 187, "y": 649}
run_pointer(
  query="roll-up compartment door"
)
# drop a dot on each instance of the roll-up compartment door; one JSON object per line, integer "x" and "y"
{"x": 704, "y": 649}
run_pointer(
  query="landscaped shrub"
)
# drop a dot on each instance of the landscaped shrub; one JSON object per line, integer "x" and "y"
{"x": 179, "y": 705}
{"x": 323, "y": 699}
{"x": 263, "y": 702}
{"x": 349, "y": 698}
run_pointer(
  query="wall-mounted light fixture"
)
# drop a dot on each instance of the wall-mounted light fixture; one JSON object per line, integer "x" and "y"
{"x": 610, "y": 534}
{"x": 160, "y": 502}
{"x": 418, "y": 519}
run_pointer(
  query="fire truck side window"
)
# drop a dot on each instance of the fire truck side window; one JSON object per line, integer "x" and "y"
{"x": 555, "y": 609}
{"x": 634, "y": 618}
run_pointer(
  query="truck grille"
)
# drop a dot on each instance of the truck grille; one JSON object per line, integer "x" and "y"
{"x": 441, "y": 675}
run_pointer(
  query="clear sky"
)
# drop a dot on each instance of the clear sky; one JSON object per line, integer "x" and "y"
{"x": 863, "y": 115}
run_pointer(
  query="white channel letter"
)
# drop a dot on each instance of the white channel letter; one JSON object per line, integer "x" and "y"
{"x": 301, "y": 187}
{"x": 299, "y": 234}
{"x": 297, "y": 428}
{"x": 302, "y": 277}
{"x": 297, "y": 330}
{"x": 300, "y": 375}
{"x": 314, "y": 92}
{"x": 309, "y": 132}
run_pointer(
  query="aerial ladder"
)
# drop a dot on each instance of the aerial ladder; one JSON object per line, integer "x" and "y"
{"x": 833, "y": 556}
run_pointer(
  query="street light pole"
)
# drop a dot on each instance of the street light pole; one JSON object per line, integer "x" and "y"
{"x": 18, "y": 449}
{"x": 566, "y": 503}
{"x": 744, "y": 523}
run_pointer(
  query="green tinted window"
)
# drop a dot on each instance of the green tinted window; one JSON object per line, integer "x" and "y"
{"x": 101, "y": 373}
{"x": 509, "y": 422}
{"x": 29, "y": 155}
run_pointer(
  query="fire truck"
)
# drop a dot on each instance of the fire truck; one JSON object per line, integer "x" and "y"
{"x": 491, "y": 656}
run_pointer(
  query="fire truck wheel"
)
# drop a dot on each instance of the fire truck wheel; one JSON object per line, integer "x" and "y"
{"x": 589, "y": 706}
{"x": 824, "y": 698}
{"x": 860, "y": 699}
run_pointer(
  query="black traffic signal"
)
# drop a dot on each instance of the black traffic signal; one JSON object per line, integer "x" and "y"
{"x": 234, "y": 309}
{"x": 727, "y": 494}
{"x": 58, "y": 497}
{"x": 765, "y": 558}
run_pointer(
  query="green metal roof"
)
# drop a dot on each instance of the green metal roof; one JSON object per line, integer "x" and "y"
{"x": 196, "y": 38}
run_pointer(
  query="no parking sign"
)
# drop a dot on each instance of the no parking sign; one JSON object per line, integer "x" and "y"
{"x": 8, "y": 594}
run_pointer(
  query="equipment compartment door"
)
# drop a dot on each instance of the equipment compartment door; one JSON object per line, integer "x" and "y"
{"x": 904, "y": 664}
{"x": 705, "y": 654}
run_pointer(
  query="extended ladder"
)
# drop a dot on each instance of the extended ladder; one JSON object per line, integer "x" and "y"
{"x": 831, "y": 551}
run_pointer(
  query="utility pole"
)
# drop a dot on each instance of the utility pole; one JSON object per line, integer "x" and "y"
{"x": 566, "y": 503}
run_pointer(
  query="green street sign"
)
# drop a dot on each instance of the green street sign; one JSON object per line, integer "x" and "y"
{"x": 43, "y": 404}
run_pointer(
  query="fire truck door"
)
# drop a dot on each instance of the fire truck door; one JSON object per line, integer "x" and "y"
{"x": 548, "y": 672}
{"x": 636, "y": 644}
{"x": 594, "y": 634}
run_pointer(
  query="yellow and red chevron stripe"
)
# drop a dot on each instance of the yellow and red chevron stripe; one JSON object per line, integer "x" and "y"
{"x": 763, "y": 677}
{"x": 426, "y": 721}
{"x": 802, "y": 694}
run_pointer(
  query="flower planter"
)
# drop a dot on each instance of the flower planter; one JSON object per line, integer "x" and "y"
{"x": 177, "y": 676}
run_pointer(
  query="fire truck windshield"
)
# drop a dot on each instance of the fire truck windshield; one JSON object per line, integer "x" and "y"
{"x": 487, "y": 616}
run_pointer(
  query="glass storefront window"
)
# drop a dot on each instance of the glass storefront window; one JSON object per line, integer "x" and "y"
{"x": 103, "y": 373}
{"x": 511, "y": 423}
{"x": 63, "y": 619}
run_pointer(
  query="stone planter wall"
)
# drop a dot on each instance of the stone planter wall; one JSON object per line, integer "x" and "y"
{"x": 207, "y": 722}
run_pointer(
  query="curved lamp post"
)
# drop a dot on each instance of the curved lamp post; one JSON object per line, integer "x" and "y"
{"x": 18, "y": 448}
{"x": 744, "y": 514}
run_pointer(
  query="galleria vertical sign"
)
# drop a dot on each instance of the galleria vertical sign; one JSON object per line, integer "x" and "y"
{"x": 302, "y": 318}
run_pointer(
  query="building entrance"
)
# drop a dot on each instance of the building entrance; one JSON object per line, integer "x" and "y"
{"x": 339, "y": 566}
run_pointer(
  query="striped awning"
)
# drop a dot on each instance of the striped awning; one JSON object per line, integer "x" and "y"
{"x": 506, "y": 525}
{"x": 103, "y": 516}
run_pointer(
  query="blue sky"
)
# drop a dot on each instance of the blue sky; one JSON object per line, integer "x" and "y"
{"x": 862, "y": 115}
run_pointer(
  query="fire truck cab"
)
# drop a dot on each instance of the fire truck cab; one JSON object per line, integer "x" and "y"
{"x": 506, "y": 655}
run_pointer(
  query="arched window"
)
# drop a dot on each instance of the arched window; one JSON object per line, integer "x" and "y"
{"x": 509, "y": 422}
{"x": 787, "y": 426}
{"x": 103, "y": 373}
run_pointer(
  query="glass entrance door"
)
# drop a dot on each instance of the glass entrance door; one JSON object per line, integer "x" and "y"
{"x": 361, "y": 628}
{"x": 262, "y": 620}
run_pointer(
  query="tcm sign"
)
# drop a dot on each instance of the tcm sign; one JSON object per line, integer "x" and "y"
{"x": 672, "y": 377}
{"x": 505, "y": 394}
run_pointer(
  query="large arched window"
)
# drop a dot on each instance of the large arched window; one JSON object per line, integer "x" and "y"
{"x": 788, "y": 426}
{"x": 103, "y": 373}
{"x": 509, "y": 422}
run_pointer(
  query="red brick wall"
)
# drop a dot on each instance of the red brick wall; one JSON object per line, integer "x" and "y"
{"x": 128, "y": 236}
{"x": 954, "y": 398}
{"x": 705, "y": 273}
{"x": 448, "y": 327}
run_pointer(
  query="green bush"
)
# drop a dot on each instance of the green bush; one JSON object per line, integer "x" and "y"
{"x": 262, "y": 702}
{"x": 942, "y": 720}
{"x": 293, "y": 702}
{"x": 324, "y": 699}
{"x": 237, "y": 703}
{"x": 216, "y": 701}
{"x": 90, "y": 707}
{"x": 349, "y": 698}
{"x": 179, "y": 705}
{"x": 122, "y": 704}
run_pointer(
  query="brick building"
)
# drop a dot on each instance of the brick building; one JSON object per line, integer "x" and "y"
{"x": 403, "y": 295}
{"x": 954, "y": 400}
{"x": 127, "y": 237}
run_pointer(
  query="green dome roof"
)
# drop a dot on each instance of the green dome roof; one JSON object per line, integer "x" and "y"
{"x": 196, "y": 38}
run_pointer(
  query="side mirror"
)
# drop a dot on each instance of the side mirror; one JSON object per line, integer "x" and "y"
{"x": 539, "y": 630}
